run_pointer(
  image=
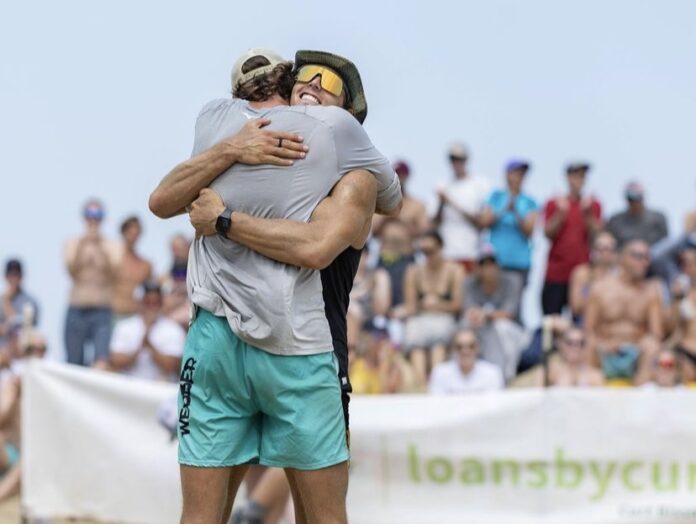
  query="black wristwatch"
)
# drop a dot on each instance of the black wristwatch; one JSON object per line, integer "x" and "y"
{"x": 223, "y": 223}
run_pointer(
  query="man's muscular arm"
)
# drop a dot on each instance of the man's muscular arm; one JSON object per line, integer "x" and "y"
{"x": 336, "y": 223}
{"x": 252, "y": 145}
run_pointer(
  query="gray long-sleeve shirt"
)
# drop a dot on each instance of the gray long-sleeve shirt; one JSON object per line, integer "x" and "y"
{"x": 270, "y": 305}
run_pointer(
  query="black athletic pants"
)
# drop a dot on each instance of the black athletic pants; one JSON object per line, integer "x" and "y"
{"x": 554, "y": 297}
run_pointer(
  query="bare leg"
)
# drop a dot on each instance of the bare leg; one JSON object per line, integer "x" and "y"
{"x": 254, "y": 473}
{"x": 253, "y": 476}
{"x": 9, "y": 485}
{"x": 268, "y": 500}
{"x": 235, "y": 480}
{"x": 438, "y": 354}
{"x": 4, "y": 459}
{"x": 298, "y": 504}
{"x": 688, "y": 370}
{"x": 205, "y": 494}
{"x": 272, "y": 493}
{"x": 420, "y": 367}
{"x": 323, "y": 493}
{"x": 649, "y": 348}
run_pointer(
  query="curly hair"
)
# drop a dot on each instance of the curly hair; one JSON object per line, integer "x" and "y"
{"x": 277, "y": 82}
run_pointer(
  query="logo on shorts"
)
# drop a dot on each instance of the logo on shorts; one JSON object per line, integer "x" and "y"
{"x": 185, "y": 384}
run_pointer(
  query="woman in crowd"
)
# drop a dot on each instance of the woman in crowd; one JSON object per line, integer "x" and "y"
{"x": 573, "y": 367}
{"x": 433, "y": 297}
{"x": 684, "y": 315}
{"x": 569, "y": 366}
{"x": 370, "y": 300}
{"x": 666, "y": 372}
{"x": 377, "y": 368}
{"x": 602, "y": 262}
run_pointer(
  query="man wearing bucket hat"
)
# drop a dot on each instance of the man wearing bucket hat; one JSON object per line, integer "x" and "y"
{"x": 316, "y": 461}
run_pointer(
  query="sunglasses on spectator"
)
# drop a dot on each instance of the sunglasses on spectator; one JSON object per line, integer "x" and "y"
{"x": 394, "y": 242}
{"x": 93, "y": 213}
{"x": 329, "y": 79}
{"x": 639, "y": 255}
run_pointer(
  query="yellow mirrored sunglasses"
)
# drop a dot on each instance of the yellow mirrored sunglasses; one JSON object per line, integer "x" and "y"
{"x": 330, "y": 81}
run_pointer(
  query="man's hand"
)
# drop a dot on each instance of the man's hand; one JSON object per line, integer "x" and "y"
{"x": 586, "y": 205}
{"x": 254, "y": 146}
{"x": 443, "y": 195}
{"x": 430, "y": 302}
{"x": 609, "y": 346}
{"x": 399, "y": 312}
{"x": 562, "y": 205}
{"x": 475, "y": 317}
{"x": 205, "y": 211}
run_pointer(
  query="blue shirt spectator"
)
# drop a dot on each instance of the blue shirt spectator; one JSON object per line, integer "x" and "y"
{"x": 510, "y": 214}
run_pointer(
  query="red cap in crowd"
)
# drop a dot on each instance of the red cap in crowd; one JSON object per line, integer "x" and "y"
{"x": 402, "y": 168}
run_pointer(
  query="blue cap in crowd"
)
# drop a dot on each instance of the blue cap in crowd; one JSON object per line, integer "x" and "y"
{"x": 13, "y": 266}
{"x": 517, "y": 164}
{"x": 634, "y": 192}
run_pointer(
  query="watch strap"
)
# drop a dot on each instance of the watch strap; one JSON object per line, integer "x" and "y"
{"x": 224, "y": 221}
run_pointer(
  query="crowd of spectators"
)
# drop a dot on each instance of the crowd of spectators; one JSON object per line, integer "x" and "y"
{"x": 437, "y": 300}
{"x": 436, "y": 303}
{"x": 121, "y": 317}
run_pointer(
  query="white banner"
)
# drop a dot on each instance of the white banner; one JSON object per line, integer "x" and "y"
{"x": 92, "y": 446}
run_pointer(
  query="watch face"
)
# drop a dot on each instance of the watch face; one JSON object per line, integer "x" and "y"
{"x": 223, "y": 225}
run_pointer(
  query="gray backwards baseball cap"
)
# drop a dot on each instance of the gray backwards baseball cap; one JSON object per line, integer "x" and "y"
{"x": 239, "y": 77}
{"x": 348, "y": 73}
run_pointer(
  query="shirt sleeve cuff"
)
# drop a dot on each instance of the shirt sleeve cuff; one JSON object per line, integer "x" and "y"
{"x": 389, "y": 197}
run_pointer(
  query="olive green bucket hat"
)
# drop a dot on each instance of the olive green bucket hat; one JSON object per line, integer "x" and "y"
{"x": 348, "y": 72}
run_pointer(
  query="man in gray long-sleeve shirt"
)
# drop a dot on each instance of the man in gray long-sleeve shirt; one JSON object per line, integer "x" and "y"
{"x": 269, "y": 315}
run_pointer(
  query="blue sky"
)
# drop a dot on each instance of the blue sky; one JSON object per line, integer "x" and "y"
{"x": 99, "y": 98}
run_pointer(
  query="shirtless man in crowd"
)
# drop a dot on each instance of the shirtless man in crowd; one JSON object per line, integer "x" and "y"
{"x": 602, "y": 263}
{"x": 133, "y": 270}
{"x": 93, "y": 263}
{"x": 624, "y": 317}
